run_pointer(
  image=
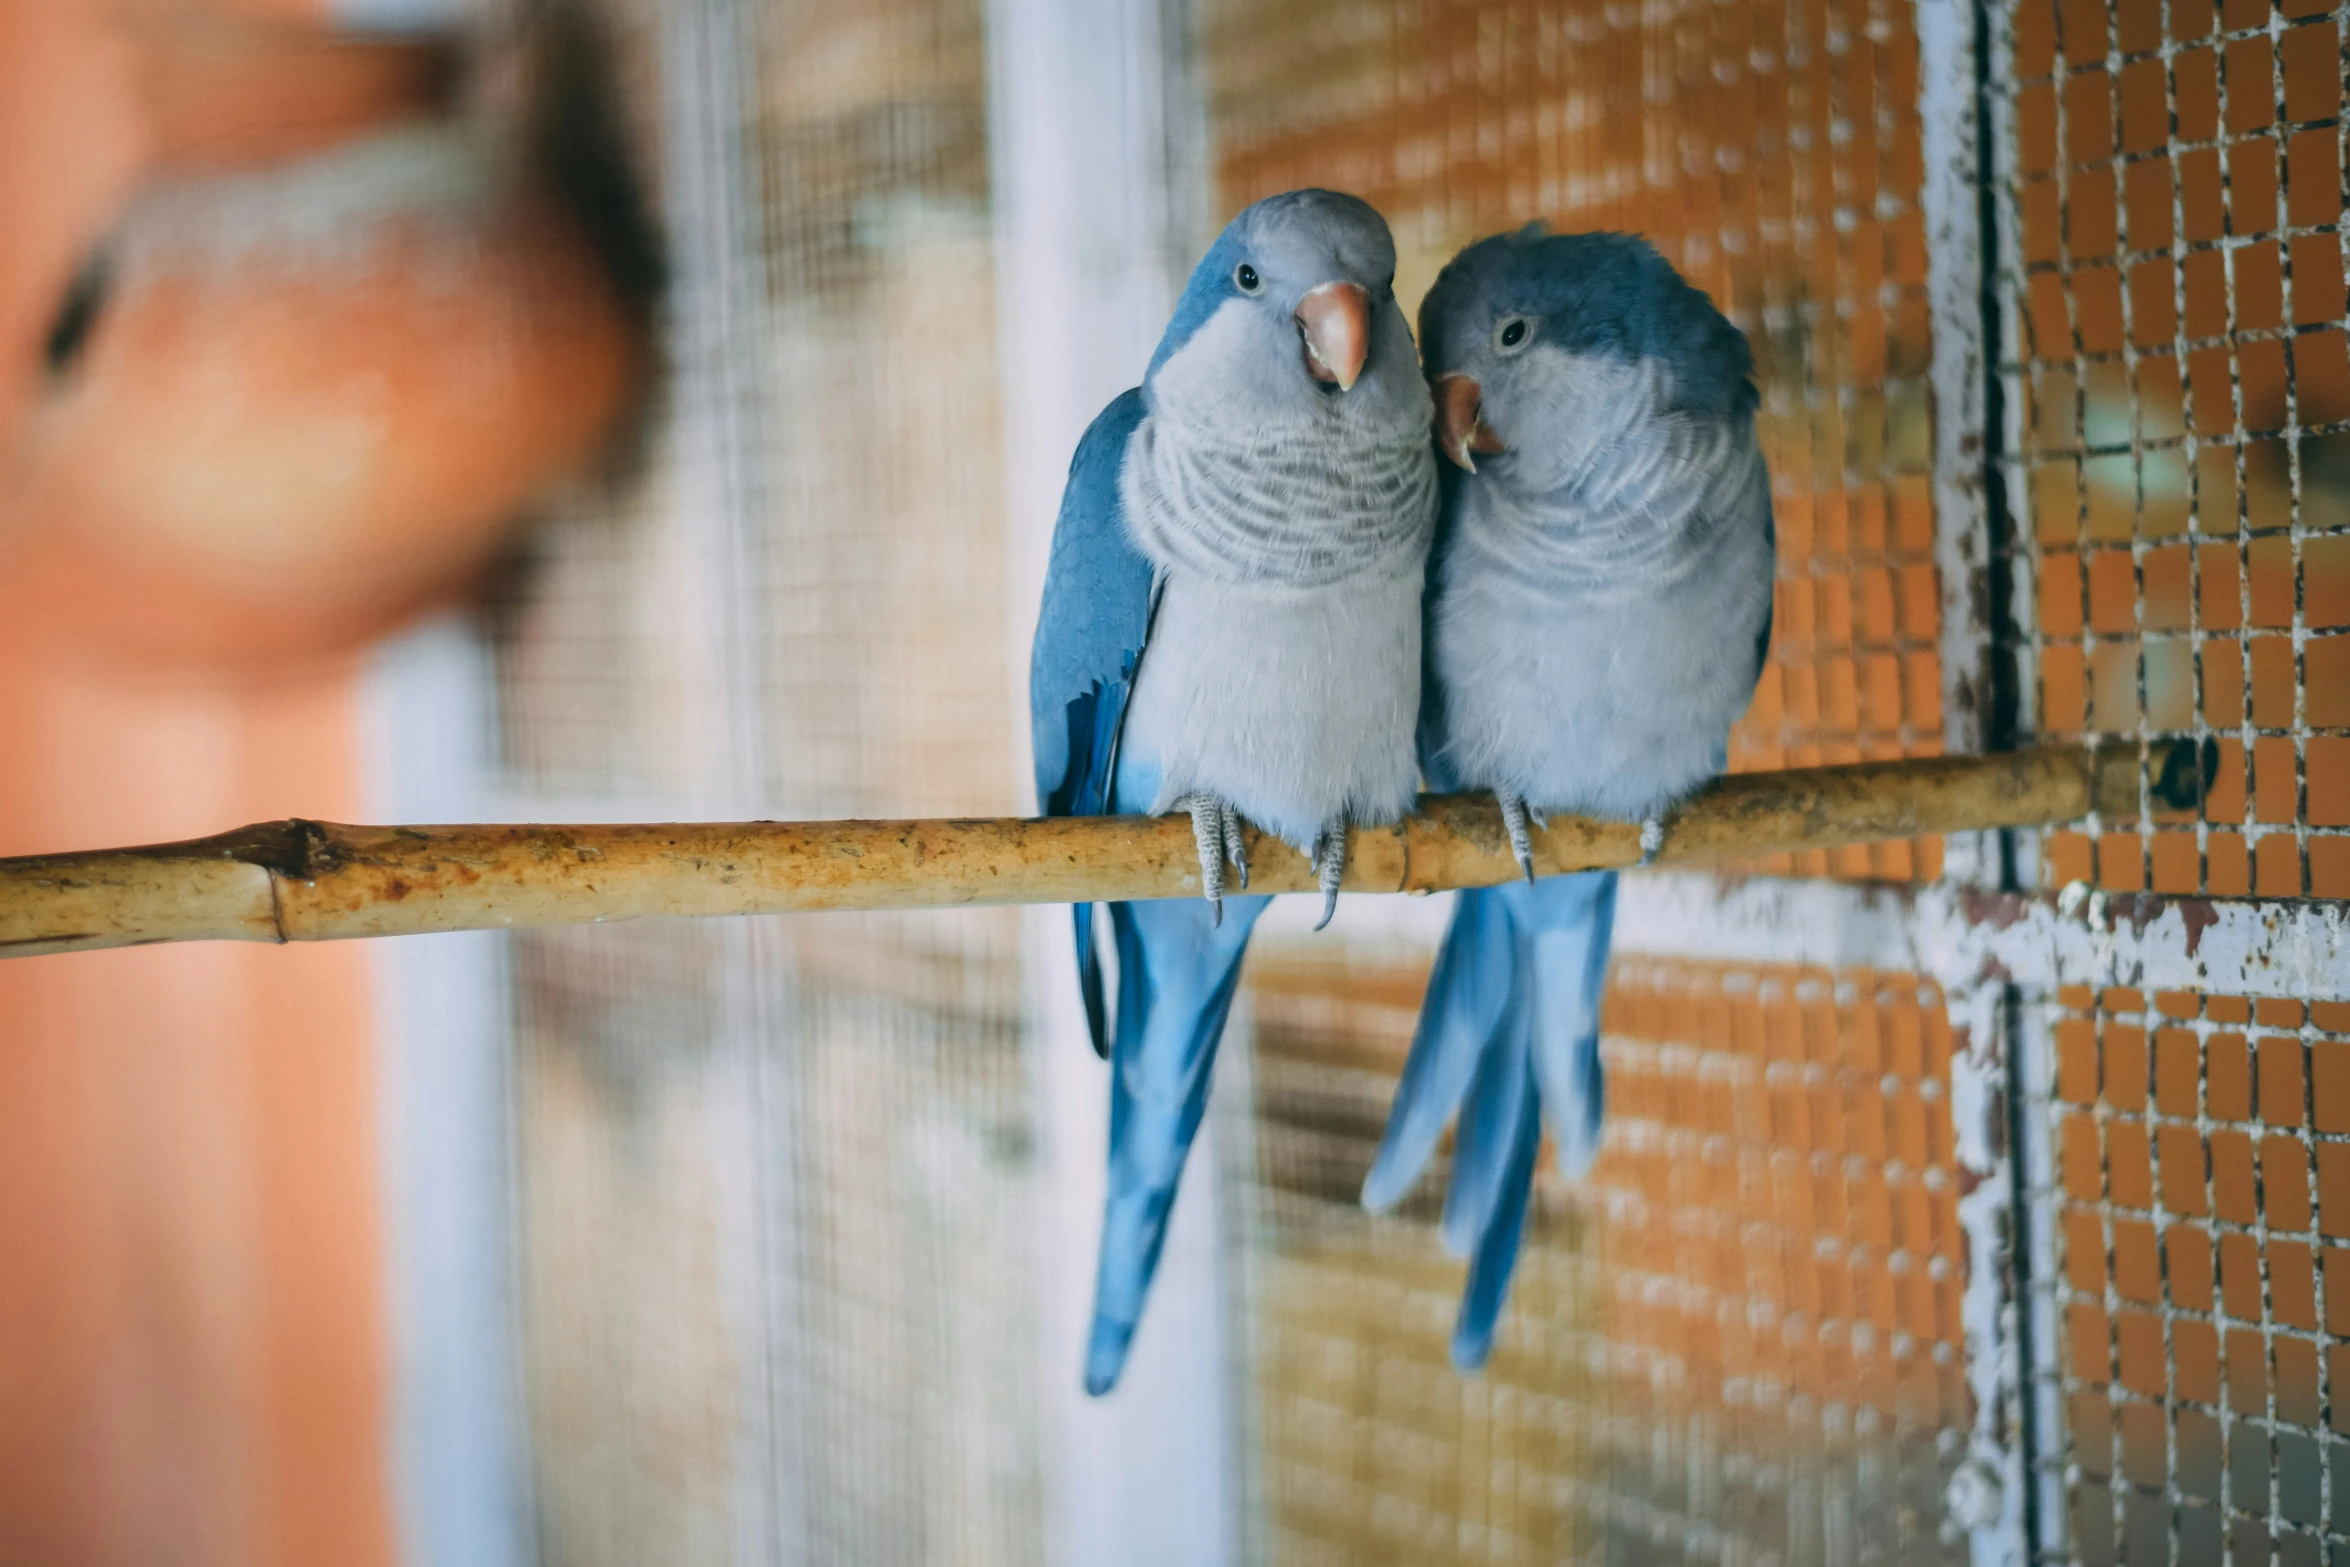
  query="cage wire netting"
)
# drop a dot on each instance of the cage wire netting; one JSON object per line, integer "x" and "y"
{"x": 1773, "y": 153}
{"x": 775, "y": 1177}
{"x": 1740, "y": 1341}
{"x": 2175, "y": 462}
{"x": 2199, "y": 1190}
{"x": 774, "y": 1186}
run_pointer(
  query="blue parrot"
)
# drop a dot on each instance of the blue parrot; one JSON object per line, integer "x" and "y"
{"x": 1231, "y": 627}
{"x": 1598, "y": 612}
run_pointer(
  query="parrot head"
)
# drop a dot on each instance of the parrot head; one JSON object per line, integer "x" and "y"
{"x": 1291, "y": 316}
{"x": 1538, "y": 345}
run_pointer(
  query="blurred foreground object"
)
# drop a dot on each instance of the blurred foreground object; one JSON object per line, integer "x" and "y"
{"x": 300, "y": 388}
{"x": 276, "y": 316}
{"x": 317, "y": 881}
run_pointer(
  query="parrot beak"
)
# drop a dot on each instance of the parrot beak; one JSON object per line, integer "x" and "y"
{"x": 1335, "y": 321}
{"x": 1460, "y": 433}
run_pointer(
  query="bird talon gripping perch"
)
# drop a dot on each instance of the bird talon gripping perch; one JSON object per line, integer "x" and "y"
{"x": 1652, "y": 838}
{"x": 1330, "y": 866}
{"x": 1513, "y": 821}
{"x": 1215, "y": 828}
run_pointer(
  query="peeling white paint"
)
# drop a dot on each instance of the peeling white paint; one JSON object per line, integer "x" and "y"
{"x": 1961, "y": 939}
{"x": 2292, "y": 950}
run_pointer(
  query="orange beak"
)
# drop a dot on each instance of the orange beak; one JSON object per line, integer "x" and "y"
{"x": 1460, "y": 433}
{"x": 1335, "y": 321}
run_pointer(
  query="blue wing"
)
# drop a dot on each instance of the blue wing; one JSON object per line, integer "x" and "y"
{"x": 1089, "y": 639}
{"x": 1509, "y": 1034}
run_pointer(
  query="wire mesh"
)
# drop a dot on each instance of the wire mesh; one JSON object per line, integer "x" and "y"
{"x": 2177, "y": 441}
{"x": 779, "y": 1299}
{"x": 1772, "y": 152}
{"x": 2194, "y": 1288}
{"x": 776, "y": 1176}
{"x": 1716, "y": 1350}
{"x": 1738, "y": 1342}
{"x": 2174, "y": 457}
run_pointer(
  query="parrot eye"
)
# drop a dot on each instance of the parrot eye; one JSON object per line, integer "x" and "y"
{"x": 1512, "y": 334}
{"x": 1244, "y": 277}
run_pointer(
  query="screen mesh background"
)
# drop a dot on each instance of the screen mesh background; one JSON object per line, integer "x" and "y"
{"x": 776, "y": 1179}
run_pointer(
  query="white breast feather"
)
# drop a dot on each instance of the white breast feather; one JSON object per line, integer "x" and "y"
{"x": 1594, "y": 649}
{"x": 1283, "y": 669}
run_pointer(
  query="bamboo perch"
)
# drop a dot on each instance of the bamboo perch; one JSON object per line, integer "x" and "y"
{"x": 317, "y": 881}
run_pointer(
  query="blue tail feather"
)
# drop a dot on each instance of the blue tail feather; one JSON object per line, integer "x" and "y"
{"x": 1497, "y": 1249}
{"x": 1176, "y": 976}
{"x": 1467, "y": 994}
{"x": 1564, "y": 954}
{"x": 1509, "y": 1034}
{"x": 1485, "y": 1145}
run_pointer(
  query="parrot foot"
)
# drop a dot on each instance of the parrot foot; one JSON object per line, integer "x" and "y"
{"x": 1215, "y": 830}
{"x": 1652, "y": 838}
{"x": 1330, "y": 866}
{"x": 1514, "y": 815}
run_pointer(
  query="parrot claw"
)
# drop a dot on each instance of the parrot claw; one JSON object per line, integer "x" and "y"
{"x": 1330, "y": 866}
{"x": 1513, "y": 821}
{"x": 1215, "y": 831}
{"x": 1652, "y": 838}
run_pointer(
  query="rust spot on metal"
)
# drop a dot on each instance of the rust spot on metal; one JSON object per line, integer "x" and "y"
{"x": 1999, "y": 910}
{"x": 2140, "y": 909}
{"x": 396, "y": 889}
{"x": 2199, "y": 916}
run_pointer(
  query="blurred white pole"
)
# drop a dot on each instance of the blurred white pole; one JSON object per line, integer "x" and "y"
{"x": 443, "y": 1040}
{"x": 1084, "y": 141}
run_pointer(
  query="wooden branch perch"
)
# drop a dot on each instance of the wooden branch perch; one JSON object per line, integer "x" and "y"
{"x": 317, "y": 881}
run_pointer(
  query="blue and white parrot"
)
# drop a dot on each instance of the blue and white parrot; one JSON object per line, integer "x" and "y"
{"x": 1599, "y": 607}
{"x": 1231, "y": 627}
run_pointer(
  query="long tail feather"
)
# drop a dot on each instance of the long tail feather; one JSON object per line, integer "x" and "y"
{"x": 1509, "y": 1034}
{"x": 1467, "y": 994}
{"x": 1484, "y": 1151}
{"x": 1497, "y": 1250}
{"x": 1564, "y": 947}
{"x": 1176, "y": 975}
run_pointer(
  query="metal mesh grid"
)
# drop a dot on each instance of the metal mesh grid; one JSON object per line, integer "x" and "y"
{"x": 2177, "y": 420}
{"x": 778, "y": 1300}
{"x": 1772, "y": 152}
{"x": 1370, "y": 1446}
{"x": 2192, "y": 1291}
{"x": 1738, "y": 1342}
{"x": 776, "y": 1177}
